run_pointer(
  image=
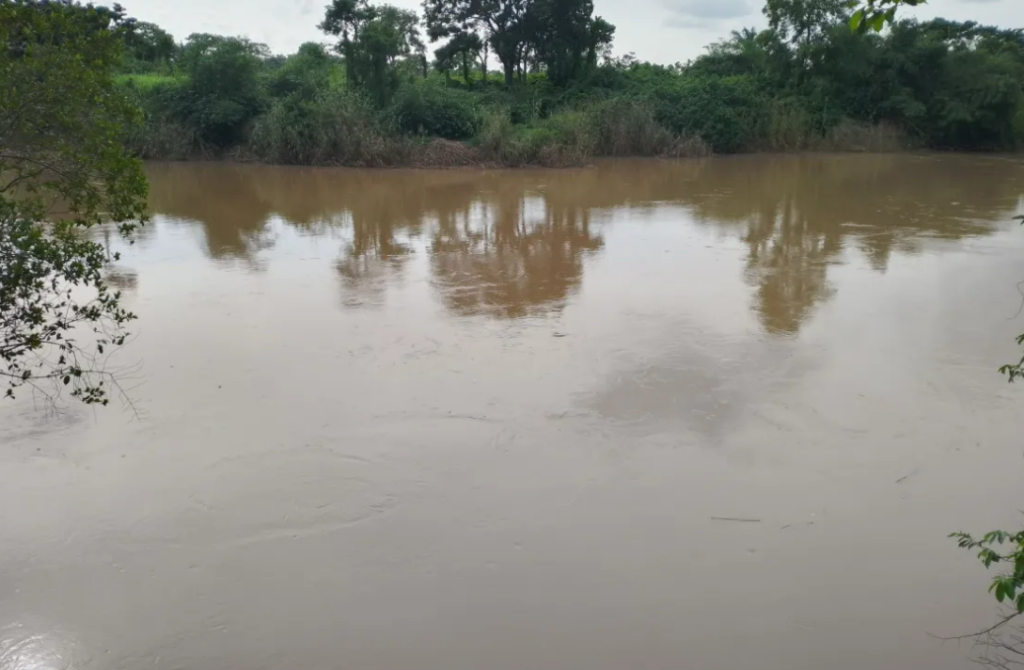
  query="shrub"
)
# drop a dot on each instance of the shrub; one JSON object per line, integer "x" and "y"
{"x": 159, "y": 139}
{"x": 336, "y": 128}
{"x": 626, "y": 127}
{"x": 498, "y": 141}
{"x": 857, "y": 136}
{"x": 305, "y": 73}
{"x": 158, "y": 136}
{"x": 786, "y": 126}
{"x": 221, "y": 95}
{"x": 562, "y": 140}
{"x": 723, "y": 111}
{"x": 428, "y": 109}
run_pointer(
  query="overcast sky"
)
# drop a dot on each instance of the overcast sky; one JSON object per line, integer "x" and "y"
{"x": 663, "y": 31}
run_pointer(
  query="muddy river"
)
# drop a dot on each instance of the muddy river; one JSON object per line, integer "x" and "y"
{"x": 649, "y": 415}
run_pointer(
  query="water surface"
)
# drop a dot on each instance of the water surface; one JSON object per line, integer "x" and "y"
{"x": 462, "y": 420}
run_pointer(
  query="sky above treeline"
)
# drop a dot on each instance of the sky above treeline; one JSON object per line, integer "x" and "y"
{"x": 661, "y": 31}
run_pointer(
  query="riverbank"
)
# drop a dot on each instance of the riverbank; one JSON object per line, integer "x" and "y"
{"x": 914, "y": 87}
{"x": 341, "y": 130}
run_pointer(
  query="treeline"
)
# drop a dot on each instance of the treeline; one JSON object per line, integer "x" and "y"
{"x": 395, "y": 88}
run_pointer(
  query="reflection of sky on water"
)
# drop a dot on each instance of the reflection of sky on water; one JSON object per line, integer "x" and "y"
{"x": 32, "y": 645}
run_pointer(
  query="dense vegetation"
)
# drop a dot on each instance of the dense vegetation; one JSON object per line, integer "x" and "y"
{"x": 395, "y": 88}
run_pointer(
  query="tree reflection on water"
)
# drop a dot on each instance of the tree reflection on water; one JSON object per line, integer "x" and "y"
{"x": 508, "y": 244}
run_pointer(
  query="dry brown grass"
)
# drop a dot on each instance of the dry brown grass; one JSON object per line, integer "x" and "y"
{"x": 688, "y": 147}
{"x": 563, "y": 156}
{"x": 864, "y": 137}
{"x": 628, "y": 128}
{"x": 448, "y": 154}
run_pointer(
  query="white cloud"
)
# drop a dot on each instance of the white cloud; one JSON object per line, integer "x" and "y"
{"x": 649, "y": 28}
{"x": 706, "y": 13}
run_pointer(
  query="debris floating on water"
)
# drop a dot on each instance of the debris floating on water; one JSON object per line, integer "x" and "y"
{"x": 908, "y": 475}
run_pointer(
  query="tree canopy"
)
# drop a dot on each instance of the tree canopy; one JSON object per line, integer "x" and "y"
{"x": 805, "y": 81}
{"x": 562, "y": 35}
{"x": 375, "y": 41}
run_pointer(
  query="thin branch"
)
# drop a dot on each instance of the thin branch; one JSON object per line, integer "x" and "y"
{"x": 25, "y": 177}
{"x": 45, "y": 166}
{"x": 988, "y": 630}
{"x": 1020, "y": 307}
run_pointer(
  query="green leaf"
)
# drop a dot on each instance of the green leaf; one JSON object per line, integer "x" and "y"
{"x": 857, "y": 19}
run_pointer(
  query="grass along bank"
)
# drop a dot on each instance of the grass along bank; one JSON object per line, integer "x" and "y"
{"x": 434, "y": 126}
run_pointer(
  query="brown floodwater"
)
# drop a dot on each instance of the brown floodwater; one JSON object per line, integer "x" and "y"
{"x": 457, "y": 420}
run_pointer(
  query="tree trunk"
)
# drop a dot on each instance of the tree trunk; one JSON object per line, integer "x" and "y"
{"x": 483, "y": 65}
{"x": 510, "y": 71}
{"x": 346, "y": 48}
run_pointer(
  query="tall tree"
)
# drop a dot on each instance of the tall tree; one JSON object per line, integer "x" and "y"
{"x": 462, "y": 49}
{"x": 502, "y": 20}
{"x": 149, "y": 43}
{"x": 63, "y": 169}
{"x": 803, "y": 21}
{"x": 805, "y": 24}
{"x": 375, "y": 41}
{"x": 567, "y": 38}
{"x": 343, "y": 19}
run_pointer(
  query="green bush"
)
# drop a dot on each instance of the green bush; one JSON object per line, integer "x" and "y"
{"x": 160, "y": 139}
{"x": 221, "y": 94}
{"x": 158, "y": 136}
{"x": 563, "y": 140}
{"x": 722, "y": 111}
{"x": 335, "y": 128}
{"x": 627, "y": 127}
{"x": 787, "y": 126}
{"x": 424, "y": 108}
{"x": 144, "y": 82}
{"x": 499, "y": 142}
{"x": 306, "y": 73}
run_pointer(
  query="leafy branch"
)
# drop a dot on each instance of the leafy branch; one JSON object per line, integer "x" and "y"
{"x": 1008, "y": 587}
{"x": 63, "y": 170}
{"x": 876, "y": 14}
{"x": 1015, "y": 370}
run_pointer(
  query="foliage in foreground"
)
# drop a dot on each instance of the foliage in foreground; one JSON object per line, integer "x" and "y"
{"x": 1008, "y": 587}
{"x": 62, "y": 170}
